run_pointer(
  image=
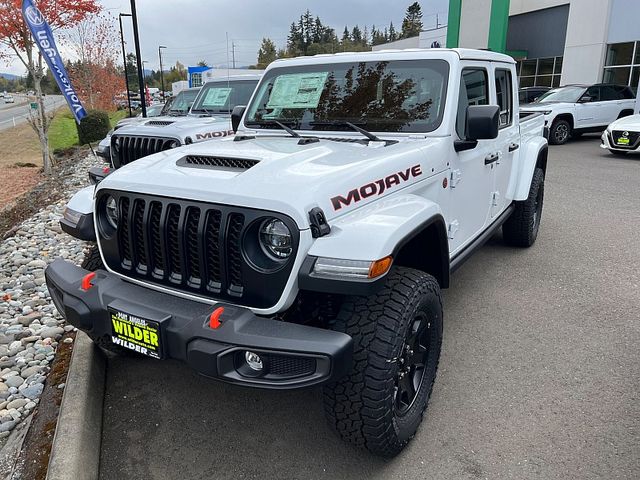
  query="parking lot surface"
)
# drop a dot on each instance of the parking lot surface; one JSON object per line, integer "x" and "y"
{"x": 539, "y": 375}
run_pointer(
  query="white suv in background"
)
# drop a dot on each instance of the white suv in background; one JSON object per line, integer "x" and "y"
{"x": 573, "y": 110}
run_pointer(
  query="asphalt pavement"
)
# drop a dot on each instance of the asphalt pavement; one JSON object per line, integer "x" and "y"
{"x": 539, "y": 375}
{"x": 12, "y": 114}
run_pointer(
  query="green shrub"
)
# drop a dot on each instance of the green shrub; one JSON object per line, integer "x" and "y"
{"x": 94, "y": 127}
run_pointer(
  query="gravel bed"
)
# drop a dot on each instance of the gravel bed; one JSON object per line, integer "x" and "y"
{"x": 30, "y": 326}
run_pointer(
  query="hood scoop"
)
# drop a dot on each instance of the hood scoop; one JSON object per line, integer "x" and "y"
{"x": 159, "y": 123}
{"x": 219, "y": 163}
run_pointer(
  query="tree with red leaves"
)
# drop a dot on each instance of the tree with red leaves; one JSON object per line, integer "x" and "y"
{"x": 16, "y": 40}
{"x": 95, "y": 43}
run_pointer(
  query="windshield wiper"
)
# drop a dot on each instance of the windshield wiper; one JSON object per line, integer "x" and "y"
{"x": 287, "y": 129}
{"x": 208, "y": 111}
{"x": 356, "y": 128}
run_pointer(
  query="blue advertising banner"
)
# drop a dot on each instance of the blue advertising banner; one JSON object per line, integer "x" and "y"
{"x": 43, "y": 37}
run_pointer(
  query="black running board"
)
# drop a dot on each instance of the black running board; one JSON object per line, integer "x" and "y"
{"x": 481, "y": 239}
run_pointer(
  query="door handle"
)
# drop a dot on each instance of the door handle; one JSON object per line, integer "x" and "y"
{"x": 513, "y": 147}
{"x": 491, "y": 158}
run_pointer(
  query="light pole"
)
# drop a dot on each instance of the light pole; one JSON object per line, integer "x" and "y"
{"x": 161, "y": 70}
{"x": 136, "y": 39}
{"x": 124, "y": 59}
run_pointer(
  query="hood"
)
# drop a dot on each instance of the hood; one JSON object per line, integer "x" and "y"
{"x": 196, "y": 128}
{"x": 541, "y": 107}
{"x": 631, "y": 123}
{"x": 284, "y": 176}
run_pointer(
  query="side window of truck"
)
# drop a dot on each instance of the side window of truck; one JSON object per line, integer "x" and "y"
{"x": 474, "y": 90}
{"x": 504, "y": 94}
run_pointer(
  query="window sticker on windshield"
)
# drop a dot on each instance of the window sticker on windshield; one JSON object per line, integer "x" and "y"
{"x": 297, "y": 90}
{"x": 217, "y": 97}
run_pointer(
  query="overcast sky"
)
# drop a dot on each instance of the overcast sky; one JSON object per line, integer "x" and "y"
{"x": 196, "y": 30}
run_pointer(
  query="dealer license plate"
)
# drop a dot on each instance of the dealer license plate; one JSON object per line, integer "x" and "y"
{"x": 135, "y": 333}
{"x": 623, "y": 141}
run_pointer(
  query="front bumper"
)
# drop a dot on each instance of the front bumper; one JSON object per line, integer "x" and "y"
{"x": 295, "y": 355}
{"x": 606, "y": 142}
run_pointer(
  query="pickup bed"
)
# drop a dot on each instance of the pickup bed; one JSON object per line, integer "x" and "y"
{"x": 313, "y": 246}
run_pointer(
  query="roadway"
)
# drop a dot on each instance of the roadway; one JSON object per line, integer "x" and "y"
{"x": 14, "y": 114}
{"x": 539, "y": 375}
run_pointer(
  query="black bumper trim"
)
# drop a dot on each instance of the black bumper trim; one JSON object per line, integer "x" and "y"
{"x": 83, "y": 230}
{"x": 185, "y": 333}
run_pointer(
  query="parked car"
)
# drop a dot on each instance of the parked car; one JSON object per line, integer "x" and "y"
{"x": 530, "y": 94}
{"x": 576, "y": 109}
{"x": 623, "y": 136}
{"x": 312, "y": 248}
{"x": 9, "y": 99}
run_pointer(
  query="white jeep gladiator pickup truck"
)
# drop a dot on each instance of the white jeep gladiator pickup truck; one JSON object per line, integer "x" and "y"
{"x": 312, "y": 248}
{"x": 209, "y": 118}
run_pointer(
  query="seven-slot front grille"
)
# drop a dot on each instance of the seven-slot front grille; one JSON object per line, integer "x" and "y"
{"x": 128, "y": 148}
{"x": 193, "y": 247}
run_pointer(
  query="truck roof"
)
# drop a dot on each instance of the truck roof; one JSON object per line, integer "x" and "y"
{"x": 396, "y": 54}
{"x": 248, "y": 76}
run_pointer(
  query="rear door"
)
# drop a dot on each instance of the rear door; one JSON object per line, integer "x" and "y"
{"x": 503, "y": 89}
{"x": 611, "y": 104}
{"x": 471, "y": 180}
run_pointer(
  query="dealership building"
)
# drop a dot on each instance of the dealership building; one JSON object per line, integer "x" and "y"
{"x": 556, "y": 42}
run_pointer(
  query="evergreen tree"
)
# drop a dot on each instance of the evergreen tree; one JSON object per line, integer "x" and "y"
{"x": 267, "y": 53}
{"x": 346, "y": 36}
{"x": 393, "y": 35}
{"x": 412, "y": 23}
{"x": 356, "y": 35}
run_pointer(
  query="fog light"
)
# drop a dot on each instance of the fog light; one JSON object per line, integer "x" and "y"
{"x": 253, "y": 360}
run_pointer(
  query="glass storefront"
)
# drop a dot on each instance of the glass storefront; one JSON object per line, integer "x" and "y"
{"x": 622, "y": 64}
{"x": 540, "y": 72}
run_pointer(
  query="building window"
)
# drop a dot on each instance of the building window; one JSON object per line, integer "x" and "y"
{"x": 196, "y": 79}
{"x": 622, "y": 64}
{"x": 540, "y": 72}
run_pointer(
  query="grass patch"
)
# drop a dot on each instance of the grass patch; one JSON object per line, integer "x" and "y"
{"x": 63, "y": 133}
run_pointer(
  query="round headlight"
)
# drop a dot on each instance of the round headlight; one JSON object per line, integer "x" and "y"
{"x": 275, "y": 238}
{"x": 111, "y": 210}
{"x": 173, "y": 144}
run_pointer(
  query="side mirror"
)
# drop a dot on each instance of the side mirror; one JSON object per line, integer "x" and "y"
{"x": 585, "y": 99}
{"x": 482, "y": 124}
{"x": 236, "y": 116}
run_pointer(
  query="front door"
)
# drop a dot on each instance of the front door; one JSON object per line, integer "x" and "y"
{"x": 471, "y": 179}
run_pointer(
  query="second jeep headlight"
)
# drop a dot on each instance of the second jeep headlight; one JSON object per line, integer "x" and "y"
{"x": 111, "y": 211}
{"x": 275, "y": 239}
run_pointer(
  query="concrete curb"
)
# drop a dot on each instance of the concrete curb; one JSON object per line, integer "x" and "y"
{"x": 75, "y": 452}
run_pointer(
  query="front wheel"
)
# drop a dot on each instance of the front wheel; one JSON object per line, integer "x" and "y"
{"x": 560, "y": 132}
{"x": 397, "y": 337}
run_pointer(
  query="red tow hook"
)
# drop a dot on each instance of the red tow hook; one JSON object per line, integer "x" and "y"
{"x": 214, "y": 319}
{"x": 86, "y": 281}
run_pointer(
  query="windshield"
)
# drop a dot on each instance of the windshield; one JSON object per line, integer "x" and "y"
{"x": 385, "y": 96}
{"x": 154, "y": 110}
{"x": 563, "y": 94}
{"x": 222, "y": 97}
{"x": 183, "y": 102}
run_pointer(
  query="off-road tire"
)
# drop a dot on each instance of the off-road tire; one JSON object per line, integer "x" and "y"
{"x": 361, "y": 407}
{"x": 92, "y": 262}
{"x": 560, "y": 132}
{"x": 521, "y": 228}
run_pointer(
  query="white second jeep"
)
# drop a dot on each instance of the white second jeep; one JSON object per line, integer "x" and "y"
{"x": 312, "y": 247}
